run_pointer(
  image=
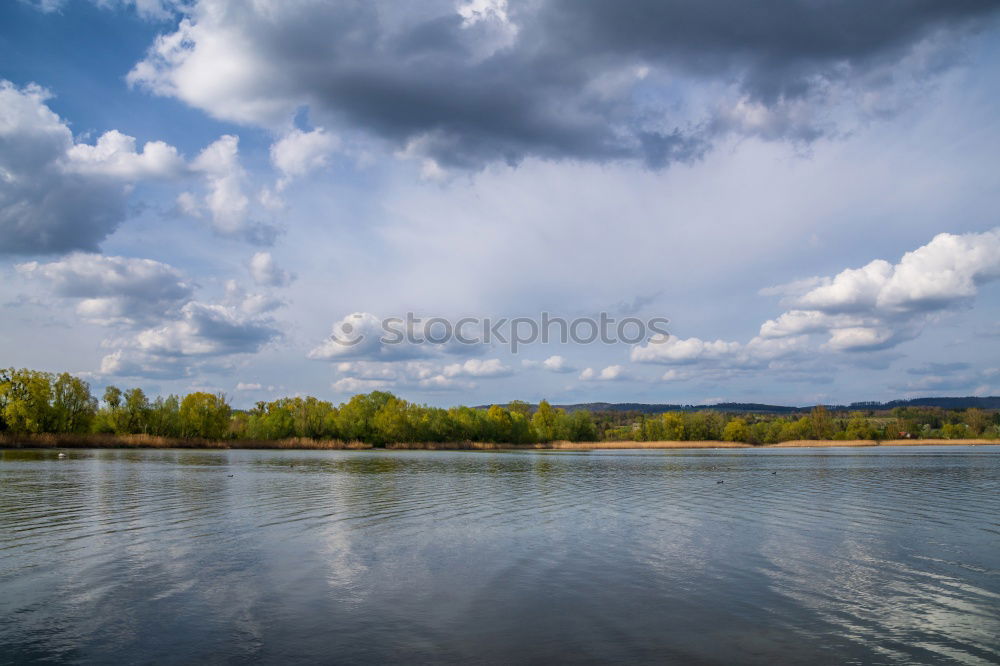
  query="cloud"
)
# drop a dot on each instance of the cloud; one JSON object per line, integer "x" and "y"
{"x": 358, "y": 336}
{"x": 297, "y": 153}
{"x": 250, "y": 303}
{"x": 676, "y": 350}
{"x": 869, "y": 309}
{"x": 362, "y": 376}
{"x": 55, "y": 195}
{"x": 241, "y": 386}
{"x": 204, "y": 329}
{"x": 881, "y": 304}
{"x": 555, "y": 363}
{"x": 114, "y": 290}
{"x": 115, "y": 155}
{"x": 462, "y": 86}
{"x": 950, "y": 378}
{"x": 475, "y": 367}
{"x": 202, "y": 334}
{"x": 361, "y": 336}
{"x": 226, "y": 201}
{"x": 160, "y": 330}
{"x": 608, "y": 374}
{"x": 265, "y": 271}
{"x": 353, "y": 385}
{"x": 939, "y": 368}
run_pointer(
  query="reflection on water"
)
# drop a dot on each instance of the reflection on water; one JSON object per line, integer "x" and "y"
{"x": 830, "y": 556}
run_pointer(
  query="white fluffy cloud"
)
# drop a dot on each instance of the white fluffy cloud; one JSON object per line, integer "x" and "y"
{"x": 231, "y": 210}
{"x": 358, "y": 376}
{"x": 57, "y": 195}
{"x": 872, "y": 308}
{"x": 249, "y": 386}
{"x": 362, "y": 336}
{"x": 159, "y": 329}
{"x": 266, "y": 273}
{"x": 607, "y": 374}
{"x": 475, "y": 367}
{"x": 201, "y": 334}
{"x": 250, "y": 303}
{"x": 882, "y": 304}
{"x": 204, "y": 329}
{"x": 297, "y": 152}
{"x": 114, "y": 154}
{"x": 554, "y": 363}
{"x": 114, "y": 290}
{"x": 225, "y": 200}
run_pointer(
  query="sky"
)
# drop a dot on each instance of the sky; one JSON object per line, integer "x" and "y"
{"x": 234, "y": 196}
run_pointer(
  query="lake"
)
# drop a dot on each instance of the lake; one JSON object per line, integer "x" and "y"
{"x": 878, "y": 555}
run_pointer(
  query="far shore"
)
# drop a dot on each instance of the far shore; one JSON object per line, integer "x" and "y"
{"x": 103, "y": 441}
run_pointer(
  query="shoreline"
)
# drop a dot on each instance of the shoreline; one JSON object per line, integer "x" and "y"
{"x": 98, "y": 441}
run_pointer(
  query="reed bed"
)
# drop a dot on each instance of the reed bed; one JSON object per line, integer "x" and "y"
{"x": 889, "y": 442}
{"x": 105, "y": 441}
{"x": 694, "y": 444}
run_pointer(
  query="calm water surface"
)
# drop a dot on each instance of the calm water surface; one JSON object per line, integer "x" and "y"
{"x": 821, "y": 555}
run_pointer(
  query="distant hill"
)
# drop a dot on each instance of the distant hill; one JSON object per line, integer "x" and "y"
{"x": 992, "y": 402}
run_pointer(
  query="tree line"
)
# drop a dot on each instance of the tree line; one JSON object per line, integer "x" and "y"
{"x": 41, "y": 402}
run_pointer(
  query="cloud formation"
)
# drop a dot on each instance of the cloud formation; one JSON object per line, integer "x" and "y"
{"x": 266, "y": 273}
{"x": 114, "y": 290}
{"x": 201, "y": 334}
{"x": 158, "y": 328}
{"x": 363, "y": 376}
{"x": 230, "y": 209}
{"x": 882, "y": 304}
{"x": 554, "y": 363}
{"x": 297, "y": 153}
{"x": 361, "y": 336}
{"x": 480, "y": 82}
{"x": 56, "y": 195}
{"x": 866, "y": 309}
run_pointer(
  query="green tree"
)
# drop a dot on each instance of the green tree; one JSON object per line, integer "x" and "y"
{"x": 392, "y": 423}
{"x": 134, "y": 412}
{"x": 164, "y": 417}
{"x": 113, "y": 397}
{"x": 976, "y": 419}
{"x": 500, "y": 424}
{"x": 821, "y": 424}
{"x": 858, "y": 427}
{"x": 736, "y": 431}
{"x": 73, "y": 408}
{"x": 673, "y": 426}
{"x": 25, "y": 400}
{"x": 580, "y": 427}
{"x": 204, "y": 415}
{"x": 355, "y": 419}
{"x": 543, "y": 422}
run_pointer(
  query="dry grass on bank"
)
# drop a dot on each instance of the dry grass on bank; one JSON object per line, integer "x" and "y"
{"x": 698, "y": 444}
{"x": 813, "y": 443}
{"x": 100, "y": 441}
{"x": 103, "y": 441}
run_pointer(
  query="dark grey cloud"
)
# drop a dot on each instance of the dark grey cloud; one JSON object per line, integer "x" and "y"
{"x": 43, "y": 208}
{"x": 57, "y": 195}
{"x": 553, "y": 79}
{"x": 774, "y": 48}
